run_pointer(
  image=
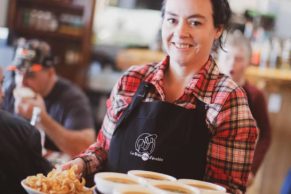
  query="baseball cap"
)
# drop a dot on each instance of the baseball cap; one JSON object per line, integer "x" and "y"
{"x": 32, "y": 56}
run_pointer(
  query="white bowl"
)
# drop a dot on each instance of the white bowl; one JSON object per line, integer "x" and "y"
{"x": 130, "y": 189}
{"x": 28, "y": 189}
{"x": 167, "y": 187}
{"x": 146, "y": 177}
{"x": 106, "y": 182}
{"x": 205, "y": 187}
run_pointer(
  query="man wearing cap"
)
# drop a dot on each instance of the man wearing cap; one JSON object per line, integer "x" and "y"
{"x": 65, "y": 114}
{"x": 20, "y": 151}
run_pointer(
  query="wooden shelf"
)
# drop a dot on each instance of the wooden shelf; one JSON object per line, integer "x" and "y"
{"x": 70, "y": 43}
{"x": 53, "y": 5}
{"x": 28, "y": 32}
{"x": 270, "y": 74}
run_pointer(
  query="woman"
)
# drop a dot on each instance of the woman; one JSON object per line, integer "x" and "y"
{"x": 180, "y": 116}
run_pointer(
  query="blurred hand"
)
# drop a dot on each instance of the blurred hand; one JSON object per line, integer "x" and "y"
{"x": 80, "y": 164}
{"x": 24, "y": 106}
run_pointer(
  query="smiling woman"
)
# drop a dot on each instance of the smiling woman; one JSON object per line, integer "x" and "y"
{"x": 198, "y": 119}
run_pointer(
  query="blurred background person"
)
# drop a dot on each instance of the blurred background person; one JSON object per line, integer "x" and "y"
{"x": 234, "y": 62}
{"x": 65, "y": 115}
{"x": 20, "y": 151}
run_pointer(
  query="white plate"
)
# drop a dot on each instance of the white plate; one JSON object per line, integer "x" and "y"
{"x": 30, "y": 190}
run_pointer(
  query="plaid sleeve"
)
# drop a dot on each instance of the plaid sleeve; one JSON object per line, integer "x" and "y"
{"x": 95, "y": 156}
{"x": 231, "y": 149}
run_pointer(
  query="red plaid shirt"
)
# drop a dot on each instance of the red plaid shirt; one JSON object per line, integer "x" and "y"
{"x": 234, "y": 132}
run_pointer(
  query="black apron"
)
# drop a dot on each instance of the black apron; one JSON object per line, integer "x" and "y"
{"x": 160, "y": 136}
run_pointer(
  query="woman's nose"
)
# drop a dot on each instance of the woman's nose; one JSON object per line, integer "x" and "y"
{"x": 182, "y": 30}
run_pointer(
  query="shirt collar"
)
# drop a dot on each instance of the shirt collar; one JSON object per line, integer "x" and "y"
{"x": 202, "y": 84}
{"x": 160, "y": 70}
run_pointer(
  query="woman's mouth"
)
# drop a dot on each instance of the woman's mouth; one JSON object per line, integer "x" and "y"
{"x": 182, "y": 45}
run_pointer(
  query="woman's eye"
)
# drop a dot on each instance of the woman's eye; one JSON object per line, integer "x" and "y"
{"x": 171, "y": 20}
{"x": 195, "y": 23}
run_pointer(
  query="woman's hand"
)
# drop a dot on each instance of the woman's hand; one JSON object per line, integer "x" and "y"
{"x": 78, "y": 162}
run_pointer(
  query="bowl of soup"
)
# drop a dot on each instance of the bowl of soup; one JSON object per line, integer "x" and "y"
{"x": 167, "y": 187}
{"x": 106, "y": 182}
{"x": 205, "y": 187}
{"x": 133, "y": 189}
{"x": 150, "y": 176}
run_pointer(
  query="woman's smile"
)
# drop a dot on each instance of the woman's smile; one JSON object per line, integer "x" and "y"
{"x": 182, "y": 46}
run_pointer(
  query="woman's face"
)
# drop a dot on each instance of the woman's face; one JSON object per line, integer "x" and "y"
{"x": 188, "y": 31}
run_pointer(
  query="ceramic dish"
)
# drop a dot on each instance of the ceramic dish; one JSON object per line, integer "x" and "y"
{"x": 106, "y": 182}
{"x": 167, "y": 187}
{"x": 149, "y": 176}
{"x": 205, "y": 187}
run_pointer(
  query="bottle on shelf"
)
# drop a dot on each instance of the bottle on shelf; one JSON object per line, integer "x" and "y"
{"x": 286, "y": 58}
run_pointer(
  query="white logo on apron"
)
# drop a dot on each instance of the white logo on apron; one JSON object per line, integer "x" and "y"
{"x": 145, "y": 145}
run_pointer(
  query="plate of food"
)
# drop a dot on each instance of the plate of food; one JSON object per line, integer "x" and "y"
{"x": 65, "y": 182}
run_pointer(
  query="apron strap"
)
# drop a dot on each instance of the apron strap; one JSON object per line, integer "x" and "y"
{"x": 140, "y": 94}
{"x": 201, "y": 106}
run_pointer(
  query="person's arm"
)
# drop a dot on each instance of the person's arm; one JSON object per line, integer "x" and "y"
{"x": 261, "y": 116}
{"x": 231, "y": 148}
{"x": 69, "y": 141}
{"x": 72, "y": 142}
